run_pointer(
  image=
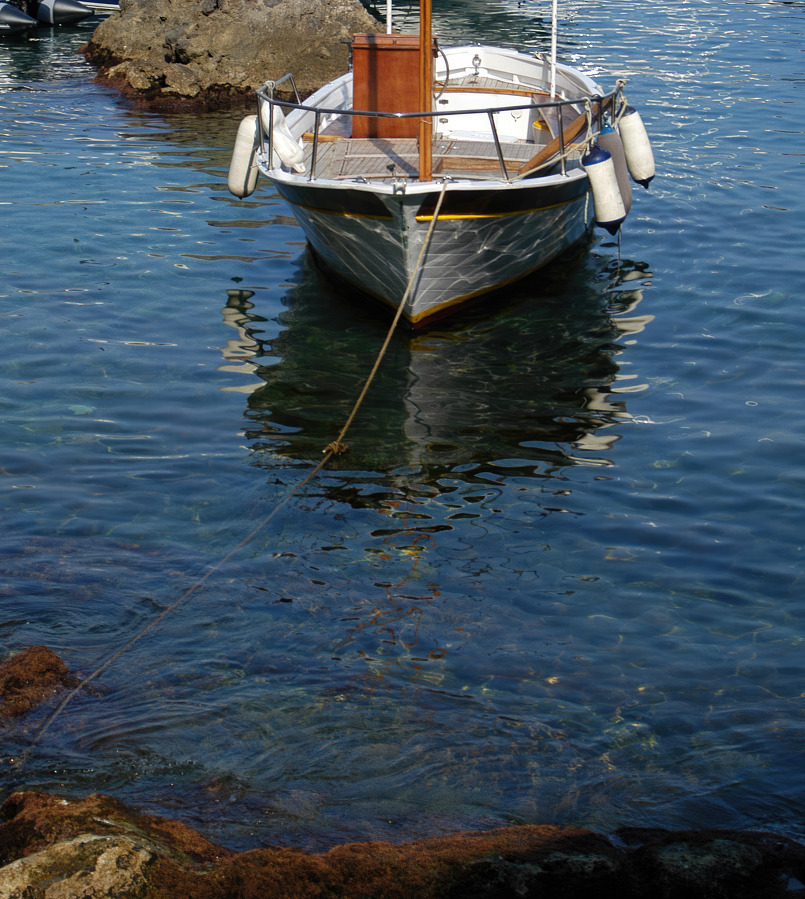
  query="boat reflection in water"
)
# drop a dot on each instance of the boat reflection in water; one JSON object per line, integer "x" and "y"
{"x": 465, "y": 440}
{"x": 536, "y": 385}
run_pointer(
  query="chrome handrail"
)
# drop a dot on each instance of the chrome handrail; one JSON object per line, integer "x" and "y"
{"x": 605, "y": 104}
{"x": 498, "y": 148}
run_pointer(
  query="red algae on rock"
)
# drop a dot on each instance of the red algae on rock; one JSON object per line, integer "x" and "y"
{"x": 96, "y": 847}
{"x": 29, "y": 678}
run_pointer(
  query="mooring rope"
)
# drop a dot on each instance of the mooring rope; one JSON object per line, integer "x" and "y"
{"x": 337, "y": 446}
{"x": 192, "y": 589}
{"x": 618, "y": 114}
{"x": 333, "y": 449}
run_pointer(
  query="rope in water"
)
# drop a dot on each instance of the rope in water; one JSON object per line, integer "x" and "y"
{"x": 335, "y": 448}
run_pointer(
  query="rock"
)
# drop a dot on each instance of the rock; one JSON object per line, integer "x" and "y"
{"x": 182, "y": 54}
{"x": 567, "y": 874}
{"x": 57, "y": 848}
{"x": 31, "y": 823}
{"x": 30, "y": 677}
{"x": 714, "y": 864}
{"x": 88, "y": 866}
{"x": 718, "y": 861}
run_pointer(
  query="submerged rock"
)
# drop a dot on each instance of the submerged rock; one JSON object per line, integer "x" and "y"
{"x": 95, "y": 847}
{"x": 191, "y": 54}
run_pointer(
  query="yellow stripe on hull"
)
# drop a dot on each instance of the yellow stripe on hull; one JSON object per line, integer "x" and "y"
{"x": 491, "y": 215}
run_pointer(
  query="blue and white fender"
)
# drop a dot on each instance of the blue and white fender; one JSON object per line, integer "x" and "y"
{"x": 609, "y": 140}
{"x": 636, "y": 146}
{"x": 243, "y": 169}
{"x": 14, "y": 20}
{"x": 61, "y": 12}
{"x": 607, "y": 200}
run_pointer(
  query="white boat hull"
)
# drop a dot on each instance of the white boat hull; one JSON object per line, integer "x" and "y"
{"x": 507, "y": 157}
{"x": 470, "y": 253}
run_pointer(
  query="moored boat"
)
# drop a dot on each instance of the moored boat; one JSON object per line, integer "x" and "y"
{"x": 58, "y": 12}
{"x": 13, "y": 20}
{"x": 427, "y": 177}
{"x": 25, "y": 14}
{"x": 99, "y": 8}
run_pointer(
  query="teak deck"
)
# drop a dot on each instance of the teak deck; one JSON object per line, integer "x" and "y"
{"x": 349, "y": 159}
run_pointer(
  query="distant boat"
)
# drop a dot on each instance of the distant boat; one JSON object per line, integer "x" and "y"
{"x": 58, "y": 12}
{"x": 100, "y": 8}
{"x": 13, "y": 20}
{"x": 427, "y": 177}
{"x": 19, "y": 17}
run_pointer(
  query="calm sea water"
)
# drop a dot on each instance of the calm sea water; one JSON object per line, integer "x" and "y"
{"x": 559, "y": 577}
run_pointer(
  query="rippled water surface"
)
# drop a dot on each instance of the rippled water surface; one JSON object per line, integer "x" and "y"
{"x": 557, "y": 579}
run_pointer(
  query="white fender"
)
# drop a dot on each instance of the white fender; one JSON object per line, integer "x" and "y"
{"x": 636, "y": 146}
{"x": 610, "y": 140}
{"x": 609, "y": 208}
{"x": 243, "y": 170}
{"x": 284, "y": 144}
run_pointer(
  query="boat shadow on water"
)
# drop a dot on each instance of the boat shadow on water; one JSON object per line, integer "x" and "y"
{"x": 535, "y": 385}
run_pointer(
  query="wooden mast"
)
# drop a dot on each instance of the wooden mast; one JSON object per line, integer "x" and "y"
{"x": 425, "y": 92}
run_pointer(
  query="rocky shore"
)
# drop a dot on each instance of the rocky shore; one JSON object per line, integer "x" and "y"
{"x": 94, "y": 847}
{"x": 54, "y": 847}
{"x": 205, "y": 54}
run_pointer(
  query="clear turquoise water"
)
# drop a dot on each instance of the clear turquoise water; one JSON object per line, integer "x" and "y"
{"x": 559, "y": 576}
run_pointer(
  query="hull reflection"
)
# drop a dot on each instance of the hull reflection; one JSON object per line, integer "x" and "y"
{"x": 529, "y": 387}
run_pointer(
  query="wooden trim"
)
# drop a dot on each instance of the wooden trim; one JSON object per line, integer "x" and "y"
{"x": 570, "y": 133}
{"x": 514, "y": 91}
{"x": 425, "y": 92}
{"x": 385, "y": 78}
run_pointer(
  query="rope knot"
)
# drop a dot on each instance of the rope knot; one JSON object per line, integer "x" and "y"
{"x": 336, "y": 448}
